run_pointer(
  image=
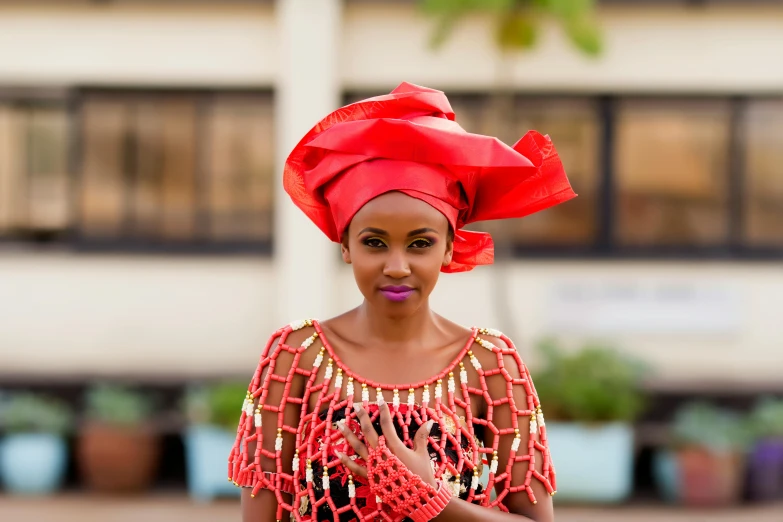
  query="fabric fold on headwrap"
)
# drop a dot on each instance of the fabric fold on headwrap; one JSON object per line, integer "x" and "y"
{"x": 408, "y": 141}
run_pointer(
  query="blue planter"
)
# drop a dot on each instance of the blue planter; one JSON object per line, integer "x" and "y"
{"x": 206, "y": 452}
{"x": 32, "y": 464}
{"x": 593, "y": 463}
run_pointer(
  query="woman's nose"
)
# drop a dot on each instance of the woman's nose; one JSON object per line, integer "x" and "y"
{"x": 397, "y": 265}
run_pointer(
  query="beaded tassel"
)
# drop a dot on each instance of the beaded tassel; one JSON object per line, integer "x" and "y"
{"x": 312, "y": 435}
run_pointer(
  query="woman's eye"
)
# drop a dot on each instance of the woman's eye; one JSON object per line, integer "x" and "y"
{"x": 421, "y": 243}
{"x": 374, "y": 242}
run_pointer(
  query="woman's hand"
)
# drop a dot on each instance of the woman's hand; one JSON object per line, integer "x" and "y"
{"x": 417, "y": 460}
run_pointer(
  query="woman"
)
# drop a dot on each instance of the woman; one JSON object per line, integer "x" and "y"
{"x": 390, "y": 411}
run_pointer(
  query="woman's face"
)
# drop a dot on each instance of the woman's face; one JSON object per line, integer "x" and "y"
{"x": 397, "y": 245}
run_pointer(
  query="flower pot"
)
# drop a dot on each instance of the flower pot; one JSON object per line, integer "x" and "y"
{"x": 709, "y": 478}
{"x": 594, "y": 463}
{"x": 32, "y": 463}
{"x": 765, "y": 470}
{"x": 666, "y": 472}
{"x": 206, "y": 450}
{"x": 117, "y": 459}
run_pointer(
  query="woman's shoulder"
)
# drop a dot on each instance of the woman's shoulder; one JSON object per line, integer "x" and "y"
{"x": 497, "y": 351}
{"x": 290, "y": 338}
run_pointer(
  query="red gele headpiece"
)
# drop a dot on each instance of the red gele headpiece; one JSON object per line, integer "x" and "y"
{"x": 408, "y": 141}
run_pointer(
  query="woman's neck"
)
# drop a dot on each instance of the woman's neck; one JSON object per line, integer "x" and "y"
{"x": 412, "y": 329}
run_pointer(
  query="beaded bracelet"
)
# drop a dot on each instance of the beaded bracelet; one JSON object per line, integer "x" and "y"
{"x": 404, "y": 492}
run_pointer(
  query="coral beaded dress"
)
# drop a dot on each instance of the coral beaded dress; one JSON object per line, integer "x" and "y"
{"x": 479, "y": 443}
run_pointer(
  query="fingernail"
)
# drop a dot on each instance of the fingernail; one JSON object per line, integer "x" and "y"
{"x": 340, "y": 425}
{"x": 357, "y": 407}
{"x": 429, "y": 425}
{"x": 339, "y": 455}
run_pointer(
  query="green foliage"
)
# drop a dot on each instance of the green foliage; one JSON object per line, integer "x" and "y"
{"x": 702, "y": 424}
{"x": 518, "y": 21}
{"x": 32, "y": 413}
{"x": 118, "y": 405}
{"x": 767, "y": 418}
{"x": 219, "y": 404}
{"x": 595, "y": 384}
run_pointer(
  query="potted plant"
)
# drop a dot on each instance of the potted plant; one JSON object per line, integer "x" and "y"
{"x": 33, "y": 454}
{"x": 708, "y": 445}
{"x": 118, "y": 447}
{"x": 590, "y": 399}
{"x": 212, "y": 412}
{"x": 765, "y": 462}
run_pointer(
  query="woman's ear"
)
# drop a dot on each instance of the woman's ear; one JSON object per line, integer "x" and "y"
{"x": 449, "y": 255}
{"x": 345, "y": 252}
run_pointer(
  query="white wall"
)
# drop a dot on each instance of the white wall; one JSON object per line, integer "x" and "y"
{"x": 112, "y": 44}
{"x": 668, "y": 48}
{"x": 63, "y": 314}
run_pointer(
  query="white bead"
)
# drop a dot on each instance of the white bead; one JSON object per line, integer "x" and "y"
{"x": 494, "y": 333}
{"x": 318, "y": 360}
{"x": 328, "y": 372}
{"x": 533, "y": 427}
{"x": 338, "y": 381}
{"x": 249, "y": 407}
{"x": 411, "y": 399}
{"x": 463, "y": 376}
{"x": 298, "y": 325}
{"x": 455, "y": 486}
{"x": 309, "y": 474}
{"x": 365, "y": 395}
{"x": 515, "y": 444}
{"x": 438, "y": 391}
{"x": 378, "y": 499}
{"x": 485, "y": 344}
{"x": 396, "y": 399}
{"x": 475, "y": 362}
{"x": 258, "y": 420}
{"x": 493, "y": 467}
{"x": 309, "y": 341}
{"x": 425, "y": 396}
{"x": 351, "y": 490}
{"x": 540, "y": 418}
{"x": 326, "y": 481}
{"x": 378, "y": 396}
{"x": 452, "y": 385}
{"x": 279, "y": 443}
{"x": 474, "y": 482}
{"x": 295, "y": 463}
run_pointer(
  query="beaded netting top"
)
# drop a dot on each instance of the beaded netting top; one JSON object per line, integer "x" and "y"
{"x": 287, "y": 436}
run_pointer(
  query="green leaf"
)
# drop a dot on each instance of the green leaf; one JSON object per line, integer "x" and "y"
{"x": 586, "y": 35}
{"x": 517, "y": 30}
{"x": 570, "y": 9}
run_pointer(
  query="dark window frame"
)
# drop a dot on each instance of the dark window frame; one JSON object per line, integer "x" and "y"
{"x": 73, "y": 99}
{"x": 605, "y": 247}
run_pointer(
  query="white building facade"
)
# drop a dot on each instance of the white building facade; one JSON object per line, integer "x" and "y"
{"x": 672, "y": 134}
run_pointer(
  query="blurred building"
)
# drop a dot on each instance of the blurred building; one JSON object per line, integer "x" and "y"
{"x": 144, "y": 230}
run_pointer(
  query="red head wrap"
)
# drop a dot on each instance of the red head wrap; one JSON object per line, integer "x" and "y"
{"x": 408, "y": 141}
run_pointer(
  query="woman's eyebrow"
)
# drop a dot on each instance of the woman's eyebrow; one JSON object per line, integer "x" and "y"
{"x": 372, "y": 230}
{"x": 420, "y": 231}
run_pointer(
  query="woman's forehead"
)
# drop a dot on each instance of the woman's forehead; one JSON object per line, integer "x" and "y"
{"x": 399, "y": 210}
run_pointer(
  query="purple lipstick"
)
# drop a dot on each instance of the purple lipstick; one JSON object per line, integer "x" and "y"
{"x": 397, "y": 293}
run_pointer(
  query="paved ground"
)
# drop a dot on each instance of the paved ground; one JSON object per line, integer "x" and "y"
{"x": 177, "y": 508}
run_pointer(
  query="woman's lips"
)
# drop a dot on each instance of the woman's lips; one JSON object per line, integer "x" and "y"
{"x": 397, "y": 293}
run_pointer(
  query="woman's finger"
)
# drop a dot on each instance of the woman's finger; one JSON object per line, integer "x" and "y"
{"x": 353, "y": 440}
{"x": 370, "y": 436}
{"x": 352, "y": 466}
{"x": 392, "y": 440}
{"x": 421, "y": 438}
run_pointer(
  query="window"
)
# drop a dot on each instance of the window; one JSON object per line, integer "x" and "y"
{"x": 177, "y": 169}
{"x": 33, "y": 169}
{"x": 574, "y": 125}
{"x": 662, "y": 176}
{"x": 671, "y": 162}
{"x": 763, "y": 191}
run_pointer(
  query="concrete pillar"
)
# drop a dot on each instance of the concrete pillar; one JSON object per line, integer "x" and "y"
{"x": 307, "y": 89}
